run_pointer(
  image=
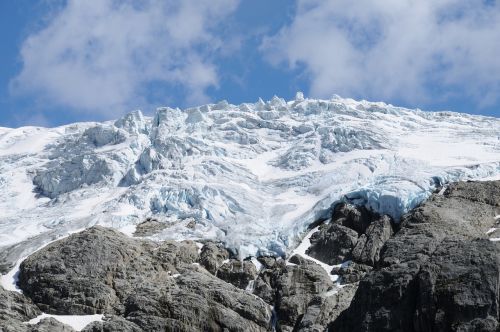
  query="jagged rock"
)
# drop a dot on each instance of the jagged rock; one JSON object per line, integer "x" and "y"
{"x": 459, "y": 287}
{"x": 212, "y": 256}
{"x": 352, "y": 216}
{"x": 322, "y": 309}
{"x": 50, "y": 325}
{"x": 296, "y": 286}
{"x": 237, "y": 272}
{"x": 15, "y": 306}
{"x": 89, "y": 272}
{"x": 199, "y": 301}
{"x": 149, "y": 227}
{"x": 45, "y": 325}
{"x": 434, "y": 274}
{"x": 367, "y": 250}
{"x": 156, "y": 286}
{"x": 351, "y": 272}
{"x": 112, "y": 324}
{"x": 333, "y": 243}
{"x": 267, "y": 261}
{"x": 265, "y": 285}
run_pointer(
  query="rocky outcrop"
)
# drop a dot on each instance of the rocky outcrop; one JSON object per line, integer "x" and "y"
{"x": 149, "y": 227}
{"x": 322, "y": 309}
{"x": 156, "y": 286}
{"x": 237, "y": 272}
{"x": 369, "y": 245}
{"x": 354, "y": 233}
{"x": 333, "y": 243}
{"x": 15, "y": 309}
{"x": 111, "y": 324}
{"x": 438, "y": 272}
{"x": 212, "y": 256}
{"x": 351, "y": 272}
{"x": 297, "y": 285}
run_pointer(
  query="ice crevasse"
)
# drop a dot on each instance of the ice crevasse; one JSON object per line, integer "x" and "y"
{"x": 254, "y": 175}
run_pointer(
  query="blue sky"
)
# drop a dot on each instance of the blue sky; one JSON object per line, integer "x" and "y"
{"x": 66, "y": 61}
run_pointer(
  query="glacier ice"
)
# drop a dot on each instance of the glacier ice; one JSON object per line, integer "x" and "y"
{"x": 254, "y": 175}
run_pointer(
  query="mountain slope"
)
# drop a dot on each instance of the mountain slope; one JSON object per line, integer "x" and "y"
{"x": 254, "y": 176}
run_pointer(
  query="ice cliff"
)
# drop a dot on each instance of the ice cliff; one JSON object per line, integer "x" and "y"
{"x": 252, "y": 175}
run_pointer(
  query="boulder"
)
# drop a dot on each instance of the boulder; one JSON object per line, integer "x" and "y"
{"x": 154, "y": 286}
{"x": 333, "y": 243}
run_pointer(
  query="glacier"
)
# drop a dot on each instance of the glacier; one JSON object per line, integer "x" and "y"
{"x": 255, "y": 176}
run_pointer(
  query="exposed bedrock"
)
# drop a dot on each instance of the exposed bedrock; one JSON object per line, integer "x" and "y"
{"x": 154, "y": 286}
{"x": 439, "y": 272}
{"x": 436, "y": 270}
{"x": 353, "y": 234}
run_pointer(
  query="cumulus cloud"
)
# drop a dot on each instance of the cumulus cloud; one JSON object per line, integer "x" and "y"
{"x": 98, "y": 55}
{"x": 394, "y": 49}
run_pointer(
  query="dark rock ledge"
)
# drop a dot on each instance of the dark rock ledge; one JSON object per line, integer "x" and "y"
{"x": 434, "y": 271}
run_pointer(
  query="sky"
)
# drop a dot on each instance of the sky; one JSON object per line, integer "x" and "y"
{"x": 63, "y": 61}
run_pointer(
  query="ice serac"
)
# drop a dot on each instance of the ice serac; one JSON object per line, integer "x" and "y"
{"x": 254, "y": 176}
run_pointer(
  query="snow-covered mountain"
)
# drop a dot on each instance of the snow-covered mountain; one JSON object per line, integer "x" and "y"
{"x": 254, "y": 175}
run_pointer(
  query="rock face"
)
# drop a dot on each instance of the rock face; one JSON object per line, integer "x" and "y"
{"x": 438, "y": 272}
{"x": 354, "y": 233}
{"x": 333, "y": 243}
{"x": 154, "y": 286}
{"x": 369, "y": 245}
{"x": 212, "y": 256}
{"x": 296, "y": 286}
{"x": 237, "y": 272}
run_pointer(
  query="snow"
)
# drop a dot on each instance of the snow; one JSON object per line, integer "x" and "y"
{"x": 253, "y": 176}
{"x": 9, "y": 280}
{"x": 491, "y": 230}
{"x": 301, "y": 251}
{"x": 76, "y": 322}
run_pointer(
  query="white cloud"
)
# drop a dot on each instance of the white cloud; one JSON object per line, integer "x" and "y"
{"x": 401, "y": 49}
{"x": 96, "y": 55}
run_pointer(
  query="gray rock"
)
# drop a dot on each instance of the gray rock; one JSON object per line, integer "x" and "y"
{"x": 265, "y": 285}
{"x": 333, "y": 243}
{"x": 15, "y": 306}
{"x": 212, "y": 255}
{"x": 322, "y": 309}
{"x": 459, "y": 287}
{"x": 50, "y": 325}
{"x": 111, "y": 324}
{"x": 353, "y": 217}
{"x": 367, "y": 250}
{"x": 351, "y": 272}
{"x": 155, "y": 286}
{"x": 149, "y": 227}
{"x": 434, "y": 274}
{"x": 45, "y": 325}
{"x": 238, "y": 273}
{"x": 267, "y": 261}
{"x": 297, "y": 285}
